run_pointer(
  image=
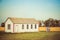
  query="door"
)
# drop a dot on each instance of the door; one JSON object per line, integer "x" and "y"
{"x": 15, "y": 29}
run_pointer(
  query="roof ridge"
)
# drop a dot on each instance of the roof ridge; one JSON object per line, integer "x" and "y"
{"x": 23, "y": 20}
{"x": 20, "y": 18}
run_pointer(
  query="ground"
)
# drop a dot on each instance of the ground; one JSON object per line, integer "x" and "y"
{"x": 30, "y": 36}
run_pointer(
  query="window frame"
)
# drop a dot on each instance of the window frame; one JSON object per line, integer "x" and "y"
{"x": 27, "y": 26}
{"x": 35, "y": 26}
{"x": 22, "y": 26}
{"x": 9, "y": 26}
{"x": 31, "y": 26}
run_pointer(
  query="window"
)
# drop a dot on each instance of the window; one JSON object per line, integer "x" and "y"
{"x": 22, "y": 26}
{"x": 9, "y": 26}
{"x": 31, "y": 26}
{"x": 35, "y": 26}
{"x": 27, "y": 26}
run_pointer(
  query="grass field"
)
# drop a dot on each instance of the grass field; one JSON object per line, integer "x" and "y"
{"x": 30, "y": 36}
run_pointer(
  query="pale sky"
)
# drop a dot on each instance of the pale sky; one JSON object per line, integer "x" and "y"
{"x": 38, "y": 9}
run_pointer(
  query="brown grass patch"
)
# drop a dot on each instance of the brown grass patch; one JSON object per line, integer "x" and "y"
{"x": 2, "y": 28}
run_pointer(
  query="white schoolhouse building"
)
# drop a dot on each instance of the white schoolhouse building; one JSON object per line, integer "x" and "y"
{"x": 17, "y": 25}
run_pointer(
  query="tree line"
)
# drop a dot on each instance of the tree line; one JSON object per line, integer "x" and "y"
{"x": 51, "y": 23}
{"x": 47, "y": 23}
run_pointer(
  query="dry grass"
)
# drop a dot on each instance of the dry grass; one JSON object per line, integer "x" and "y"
{"x": 2, "y": 28}
{"x": 51, "y": 28}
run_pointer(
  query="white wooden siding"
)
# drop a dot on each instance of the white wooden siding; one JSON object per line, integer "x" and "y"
{"x": 6, "y": 26}
{"x": 18, "y": 28}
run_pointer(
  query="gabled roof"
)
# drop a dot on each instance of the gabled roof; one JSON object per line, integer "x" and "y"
{"x": 23, "y": 20}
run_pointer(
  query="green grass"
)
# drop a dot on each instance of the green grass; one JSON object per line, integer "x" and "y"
{"x": 31, "y": 36}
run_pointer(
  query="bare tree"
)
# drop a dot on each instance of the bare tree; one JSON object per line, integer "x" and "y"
{"x": 3, "y": 24}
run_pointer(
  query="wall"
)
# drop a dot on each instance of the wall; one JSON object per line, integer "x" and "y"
{"x": 6, "y": 27}
{"x": 18, "y": 28}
